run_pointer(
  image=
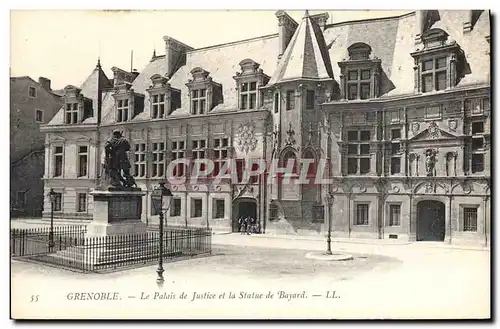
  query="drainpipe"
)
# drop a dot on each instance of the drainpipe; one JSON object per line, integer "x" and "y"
{"x": 449, "y": 216}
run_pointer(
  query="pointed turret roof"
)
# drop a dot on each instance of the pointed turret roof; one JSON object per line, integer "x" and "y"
{"x": 306, "y": 56}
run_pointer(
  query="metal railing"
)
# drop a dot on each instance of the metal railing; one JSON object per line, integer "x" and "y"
{"x": 74, "y": 251}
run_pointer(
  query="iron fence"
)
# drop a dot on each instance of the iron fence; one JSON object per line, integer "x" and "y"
{"x": 75, "y": 251}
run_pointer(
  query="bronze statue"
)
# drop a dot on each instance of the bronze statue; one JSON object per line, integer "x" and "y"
{"x": 117, "y": 164}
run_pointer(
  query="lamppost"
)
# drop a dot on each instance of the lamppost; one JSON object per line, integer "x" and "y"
{"x": 52, "y": 197}
{"x": 329, "y": 199}
{"x": 157, "y": 200}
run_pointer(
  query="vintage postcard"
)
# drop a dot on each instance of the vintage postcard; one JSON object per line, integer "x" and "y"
{"x": 270, "y": 164}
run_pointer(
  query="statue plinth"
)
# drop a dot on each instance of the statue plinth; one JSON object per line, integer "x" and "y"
{"x": 117, "y": 211}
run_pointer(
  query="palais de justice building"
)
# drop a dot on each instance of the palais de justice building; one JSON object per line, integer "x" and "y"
{"x": 398, "y": 106}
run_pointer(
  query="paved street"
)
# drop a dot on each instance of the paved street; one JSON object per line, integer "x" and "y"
{"x": 408, "y": 281}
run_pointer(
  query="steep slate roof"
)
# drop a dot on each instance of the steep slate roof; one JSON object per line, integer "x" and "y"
{"x": 312, "y": 53}
{"x": 305, "y": 55}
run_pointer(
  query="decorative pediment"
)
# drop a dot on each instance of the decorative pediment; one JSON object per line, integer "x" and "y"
{"x": 124, "y": 88}
{"x": 71, "y": 90}
{"x": 359, "y": 50}
{"x": 83, "y": 138}
{"x": 249, "y": 66}
{"x": 245, "y": 191}
{"x": 431, "y": 187}
{"x": 432, "y": 132}
{"x": 199, "y": 74}
{"x": 158, "y": 81}
{"x": 57, "y": 139}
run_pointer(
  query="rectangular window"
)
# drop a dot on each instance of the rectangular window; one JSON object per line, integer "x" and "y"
{"x": 362, "y": 214}
{"x": 290, "y": 100}
{"x": 352, "y": 166}
{"x": 140, "y": 160}
{"x": 394, "y": 215}
{"x": 395, "y": 166}
{"x": 276, "y": 102}
{"x": 218, "y": 208}
{"x": 58, "y": 201}
{"x": 365, "y": 90}
{"x": 365, "y": 135}
{"x": 58, "y": 161}
{"x": 122, "y": 110}
{"x": 364, "y": 166}
{"x": 441, "y": 80}
{"x": 32, "y": 92}
{"x": 310, "y": 99}
{"x": 359, "y": 84}
{"x": 470, "y": 219}
{"x": 39, "y": 116}
{"x": 477, "y": 162}
{"x": 395, "y": 148}
{"x": 178, "y": 153}
{"x": 477, "y": 127}
{"x": 196, "y": 208}
{"x": 352, "y": 135}
{"x": 365, "y": 74}
{"x": 353, "y": 75}
{"x": 198, "y": 101}
{"x": 358, "y": 161}
{"x": 21, "y": 199}
{"x": 71, "y": 113}
{"x": 427, "y": 83}
{"x": 175, "y": 207}
{"x": 82, "y": 202}
{"x": 221, "y": 153}
{"x": 395, "y": 134}
{"x": 477, "y": 144}
{"x": 82, "y": 161}
{"x": 434, "y": 74}
{"x": 248, "y": 95}
{"x": 158, "y": 160}
{"x": 158, "y": 106}
{"x": 352, "y": 91}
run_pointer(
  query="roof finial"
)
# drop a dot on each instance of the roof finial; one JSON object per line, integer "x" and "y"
{"x": 306, "y": 14}
{"x": 154, "y": 52}
{"x": 98, "y": 66}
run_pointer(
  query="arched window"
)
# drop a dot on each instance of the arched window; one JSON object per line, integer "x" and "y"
{"x": 309, "y": 154}
{"x": 290, "y": 156}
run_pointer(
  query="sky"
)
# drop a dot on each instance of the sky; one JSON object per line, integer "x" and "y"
{"x": 64, "y": 45}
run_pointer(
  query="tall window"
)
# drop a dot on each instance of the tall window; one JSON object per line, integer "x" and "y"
{"x": 248, "y": 95}
{"x": 198, "y": 101}
{"x": 82, "y": 202}
{"x": 196, "y": 208}
{"x": 276, "y": 102}
{"x": 199, "y": 151}
{"x": 470, "y": 219}
{"x": 434, "y": 74}
{"x": 310, "y": 99}
{"x": 358, "y": 84}
{"x": 32, "y": 92}
{"x": 477, "y": 161}
{"x": 358, "y": 152}
{"x": 58, "y": 161}
{"x": 140, "y": 160}
{"x": 394, "y": 215}
{"x": 290, "y": 100}
{"x": 158, "y": 106}
{"x": 82, "y": 161}
{"x": 362, "y": 214}
{"x": 122, "y": 110}
{"x": 58, "y": 201}
{"x": 175, "y": 208}
{"x": 39, "y": 115}
{"x": 158, "y": 165}
{"x": 395, "y": 151}
{"x": 218, "y": 208}
{"x": 221, "y": 153}
{"x": 71, "y": 113}
{"x": 178, "y": 148}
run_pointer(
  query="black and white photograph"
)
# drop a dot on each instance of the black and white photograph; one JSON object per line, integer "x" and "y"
{"x": 278, "y": 164}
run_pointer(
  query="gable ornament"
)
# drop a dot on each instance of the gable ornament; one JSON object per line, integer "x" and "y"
{"x": 433, "y": 130}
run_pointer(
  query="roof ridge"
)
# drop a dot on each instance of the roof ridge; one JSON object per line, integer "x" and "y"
{"x": 227, "y": 44}
{"x": 369, "y": 20}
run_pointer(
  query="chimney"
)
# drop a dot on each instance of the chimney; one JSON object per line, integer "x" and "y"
{"x": 175, "y": 54}
{"x": 45, "y": 83}
{"x": 320, "y": 20}
{"x": 286, "y": 29}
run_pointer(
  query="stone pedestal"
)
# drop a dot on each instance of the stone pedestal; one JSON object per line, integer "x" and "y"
{"x": 117, "y": 212}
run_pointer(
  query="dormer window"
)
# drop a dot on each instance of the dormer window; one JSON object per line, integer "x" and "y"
{"x": 248, "y": 82}
{"x": 77, "y": 108}
{"x": 438, "y": 64}
{"x": 360, "y": 74}
{"x": 127, "y": 103}
{"x": 204, "y": 93}
{"x": 162, "y": 97}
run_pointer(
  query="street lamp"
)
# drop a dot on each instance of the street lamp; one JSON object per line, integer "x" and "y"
{"x": 329, "y": 199}
{"x": 158, "y": 196}
{"x": 52, "y": 197}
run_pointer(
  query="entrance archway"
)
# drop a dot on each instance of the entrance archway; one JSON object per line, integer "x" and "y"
{"x": 430, "y": 221}
{"x": 244, "y": 208}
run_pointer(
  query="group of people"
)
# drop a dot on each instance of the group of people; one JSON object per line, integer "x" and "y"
{"x": 248, "y": 225}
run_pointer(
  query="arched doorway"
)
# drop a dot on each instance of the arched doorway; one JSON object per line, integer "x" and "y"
{"x": 430, "y": 221}
{"x": 245, "y": 207}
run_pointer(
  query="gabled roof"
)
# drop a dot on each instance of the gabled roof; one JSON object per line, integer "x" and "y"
{"x": 306, "y": 55}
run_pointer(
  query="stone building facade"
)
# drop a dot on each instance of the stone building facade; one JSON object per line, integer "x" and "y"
{"x": 32, "y": 104}
{"x": 395, "y": 112}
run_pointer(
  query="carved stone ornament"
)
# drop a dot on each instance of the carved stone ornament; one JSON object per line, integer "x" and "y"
{"x": 467, "y": 189}
{"x": 396, "y": 189}
{"x": 246, "y": 137}
{"x": 433, "y": 130}
{"x": 290, "y": 140}
{"x": 452, "y": 124}
{"x": 362, "y": 188}
{"x": 415, "y": 127}
{"x": 429, "y": 187}
{"x": 430, "y": 161}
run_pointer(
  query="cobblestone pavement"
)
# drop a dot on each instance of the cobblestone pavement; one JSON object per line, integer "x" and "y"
{"x": 402, "y": 281}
